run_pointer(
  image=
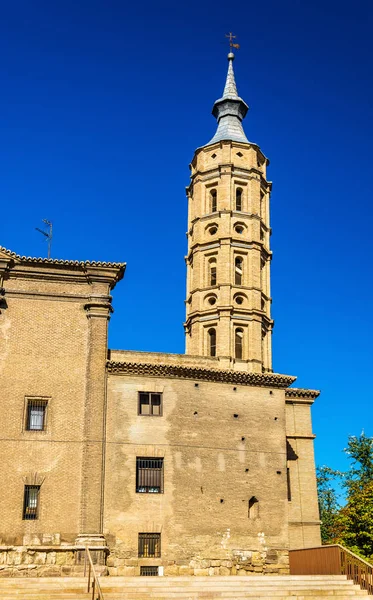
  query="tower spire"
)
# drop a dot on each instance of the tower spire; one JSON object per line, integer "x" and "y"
{"x": 229, "y": 111}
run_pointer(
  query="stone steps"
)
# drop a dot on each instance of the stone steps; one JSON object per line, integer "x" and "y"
{"x": 280, "y": 587}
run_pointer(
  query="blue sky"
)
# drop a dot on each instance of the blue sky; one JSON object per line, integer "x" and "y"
{"x": 102, "y": 107}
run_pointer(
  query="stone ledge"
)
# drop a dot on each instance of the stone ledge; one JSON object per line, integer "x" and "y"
{"x": 273, "y": 380}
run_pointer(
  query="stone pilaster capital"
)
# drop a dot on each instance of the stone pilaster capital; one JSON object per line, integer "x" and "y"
{"x": 99, "y": 306}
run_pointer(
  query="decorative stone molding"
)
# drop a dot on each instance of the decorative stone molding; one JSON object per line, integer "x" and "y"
{"x": 301, "y": 393}
{"x": 274, "y": 380}
{"x": 58, "y": 261}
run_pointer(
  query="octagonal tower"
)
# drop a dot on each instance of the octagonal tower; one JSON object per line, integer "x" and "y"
{"x": 228, "y": 263}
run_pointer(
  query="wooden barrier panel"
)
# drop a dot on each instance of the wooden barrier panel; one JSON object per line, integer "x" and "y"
{"x": 315, "y": 561}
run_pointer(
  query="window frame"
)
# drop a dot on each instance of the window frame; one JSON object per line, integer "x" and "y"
{"x": 150, "y": 414}
{"x": 30, "y": 513}
{"x": 159, "y": 470}
{"x": 142, "y": 545}
{"x": 213, "y": 200}
{"x": 212, "y": 341}
{"x": 238, "y": 270}
{"x": 212, "y": 271}
{"x": 238, "y": 199}
{"x": 239, "y": 342}
{"x": 36, "y": 401}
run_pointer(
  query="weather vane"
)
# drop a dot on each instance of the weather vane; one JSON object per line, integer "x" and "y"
{"x": 232, "y": 37}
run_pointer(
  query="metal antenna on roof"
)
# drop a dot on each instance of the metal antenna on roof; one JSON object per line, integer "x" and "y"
{"x": 48, "y": 234}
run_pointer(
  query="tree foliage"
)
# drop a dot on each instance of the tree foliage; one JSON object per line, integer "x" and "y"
{"x": 350, "y": 525}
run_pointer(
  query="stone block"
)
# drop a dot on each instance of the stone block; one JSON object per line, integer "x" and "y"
{"x": 51, "y": 558}
{"x": 49, "y": 571}
{"x": 40, "y": 558}
{"x": 201, "y": 572}
{"x": 60, "y": 558}
{"x": 126, "y": 571}
{"x": 185, "y": 570}
{"x": 171, "y": 570}
{"x": 224, "y": 571}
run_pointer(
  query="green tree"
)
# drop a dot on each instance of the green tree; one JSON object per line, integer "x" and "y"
{"x": 352, "y": 524}
{"x": 328, "y": 503}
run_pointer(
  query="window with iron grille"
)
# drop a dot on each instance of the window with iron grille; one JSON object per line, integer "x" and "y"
{"x": 36, "y": 413}
{"x": 149, "y": 475}
{"x": 150, "y": 404}
{"x": 149, "y": 571}
{"x": 149, "y": 545}
{"x": 31, "y": 502}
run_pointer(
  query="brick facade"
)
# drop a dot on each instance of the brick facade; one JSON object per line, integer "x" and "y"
{"x": 231, "y": 484}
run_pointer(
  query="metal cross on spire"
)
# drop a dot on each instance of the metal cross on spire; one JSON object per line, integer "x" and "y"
{"x": 232, "y": 37}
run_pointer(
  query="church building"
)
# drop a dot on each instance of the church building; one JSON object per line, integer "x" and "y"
{"x": 163, "y": 464}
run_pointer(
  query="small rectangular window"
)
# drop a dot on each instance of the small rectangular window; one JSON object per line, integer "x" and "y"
{"x": 36, "y": 413}
{"x": 149, "y": 545}
{"x": 149, "y": 571}
{"x": 31, "y": 502}
{"x": 149, "y": 475}
{"x": 150, "y": 404}
{"x": 288, "y": 483}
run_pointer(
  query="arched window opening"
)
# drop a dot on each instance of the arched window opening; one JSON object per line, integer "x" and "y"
{"x": 253, "y": 508}
{"x": 238, "y": 342}
{"x": 238, "y": 270}
{"x": 212, "y": 341}
{"x": 212, "y": 272}
{"x": 213, "y": 200}
{"x": 238, "y": 199}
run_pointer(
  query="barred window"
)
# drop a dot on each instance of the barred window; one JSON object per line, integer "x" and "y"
{"x": 149, "y": 545}
{"x": 150, "y": 404}
{"x": 36, "y": 413}
{"x": 31, "y": 502}
{"x": 149, "y": 475}
{"x": 149, "y": 571}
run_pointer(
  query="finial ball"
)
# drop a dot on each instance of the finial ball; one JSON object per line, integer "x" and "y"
{"x": 231, "y": 56}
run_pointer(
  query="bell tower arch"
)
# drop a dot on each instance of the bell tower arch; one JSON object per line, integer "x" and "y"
{"x": 228, "y": 261}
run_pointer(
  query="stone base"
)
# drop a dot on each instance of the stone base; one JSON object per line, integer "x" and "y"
{"x": 244, "y": 562}
{"x": 91, "y": 541}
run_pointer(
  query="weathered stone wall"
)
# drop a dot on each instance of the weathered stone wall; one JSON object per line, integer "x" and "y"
{"x": 34, "y": 561}
{"x": 304, "y": 521}
{"x": 222, "y": 444}
{"x": 241, "y": 563}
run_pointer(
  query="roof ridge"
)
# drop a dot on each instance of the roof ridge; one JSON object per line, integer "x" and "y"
{"x": 61, "y": 261}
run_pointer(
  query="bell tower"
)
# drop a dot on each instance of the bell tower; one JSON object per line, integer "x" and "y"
{"x": 228, "y": 263}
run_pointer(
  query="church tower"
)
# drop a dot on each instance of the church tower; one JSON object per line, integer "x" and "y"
{"x": 228, "y": 263}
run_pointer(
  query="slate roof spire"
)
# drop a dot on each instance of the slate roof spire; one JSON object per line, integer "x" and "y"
{"x": 229, "y": 111}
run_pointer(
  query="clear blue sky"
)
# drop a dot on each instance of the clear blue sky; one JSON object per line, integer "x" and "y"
{"x": 102, "y": 105}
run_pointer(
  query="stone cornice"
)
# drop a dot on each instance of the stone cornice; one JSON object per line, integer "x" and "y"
{"x": 301, "y": 393}
{"x": 57, "y": 269}
{"x": 274, "y": 380}
{"x": 59, "y": 261}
